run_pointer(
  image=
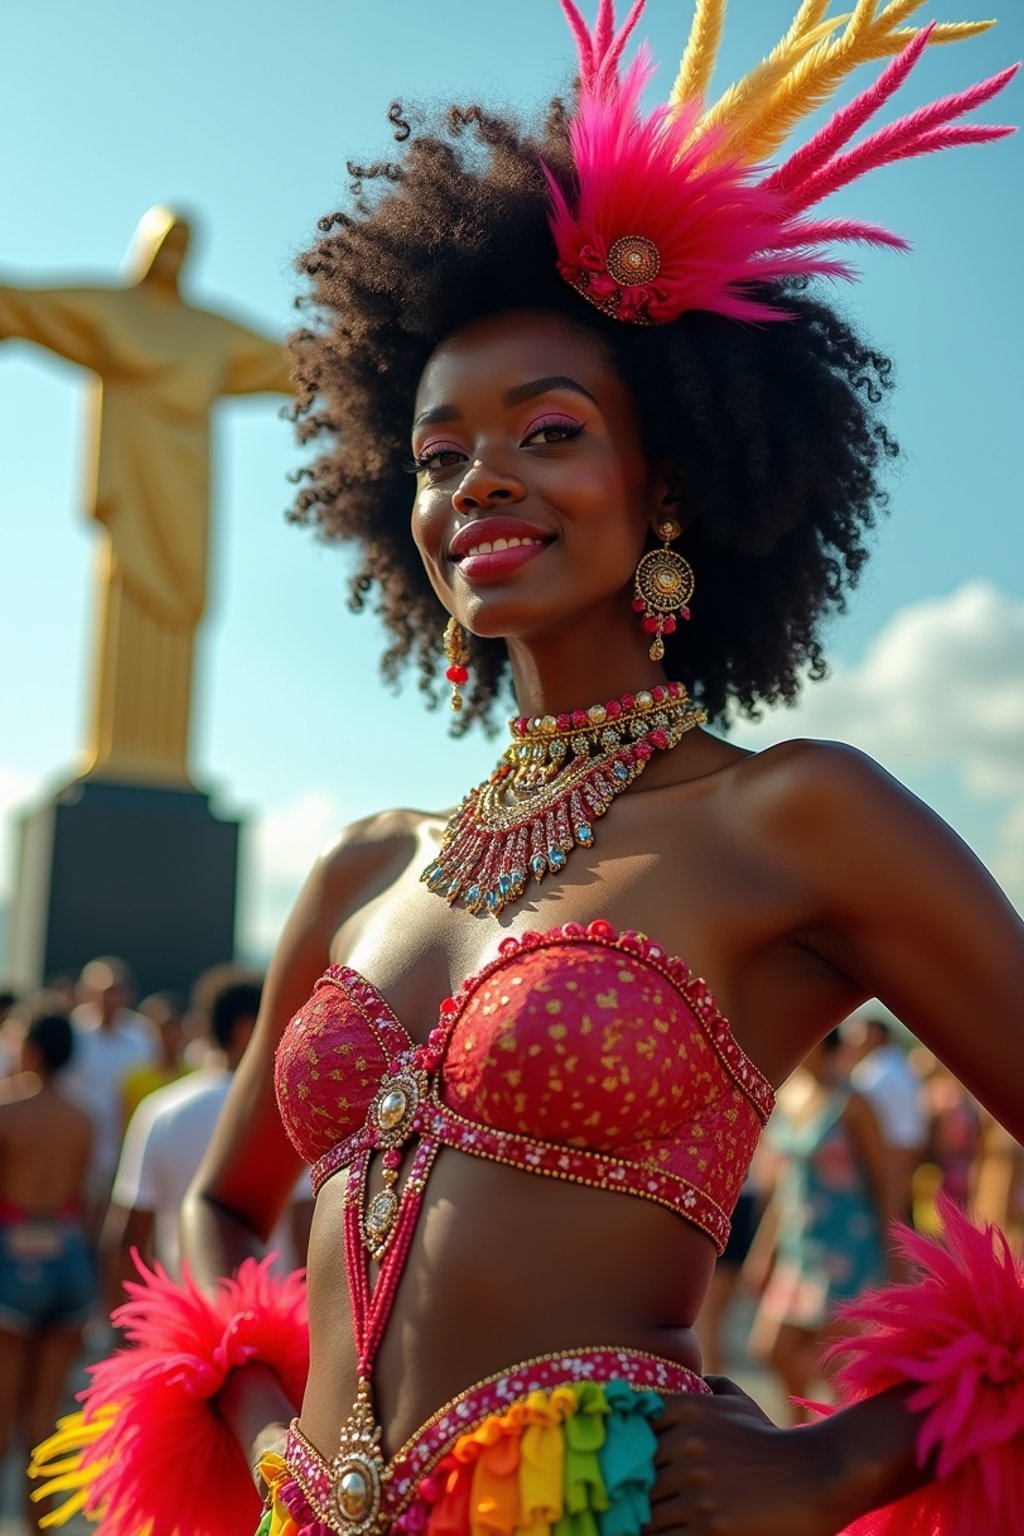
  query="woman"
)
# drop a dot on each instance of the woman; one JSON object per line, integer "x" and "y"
{"x": 47, "y": 1280}
{"x": 821, "y": 1239}
{"x": 553, "y": 441}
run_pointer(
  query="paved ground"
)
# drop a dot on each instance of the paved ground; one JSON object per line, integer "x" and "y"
{"x": 753, "y": 1380}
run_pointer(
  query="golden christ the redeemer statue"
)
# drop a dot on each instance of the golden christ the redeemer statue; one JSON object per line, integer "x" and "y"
{"x": 160, "y": 364}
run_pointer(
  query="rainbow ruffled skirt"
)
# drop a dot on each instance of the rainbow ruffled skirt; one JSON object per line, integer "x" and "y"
{"x": 573, "y": 1460}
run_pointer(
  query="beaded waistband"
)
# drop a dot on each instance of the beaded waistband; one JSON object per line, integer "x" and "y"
{"x": 416, "y": 1458}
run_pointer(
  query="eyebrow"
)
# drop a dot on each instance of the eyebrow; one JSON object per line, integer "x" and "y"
{"x": 517, "y": 395}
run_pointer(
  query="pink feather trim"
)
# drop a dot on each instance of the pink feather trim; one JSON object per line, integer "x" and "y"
{"x": 918, "y": 133}
{"x": 842, "y": 126}
{"x": 718, "y": 226}
{"x": 600, "y": 54}
{"x": 172, "y": 1465}
{"x": 958, "y": 1332}
{"x": 716, "y": 232}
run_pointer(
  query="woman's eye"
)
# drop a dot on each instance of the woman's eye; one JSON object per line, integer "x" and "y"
{"x": 433, "y": 459}
{"x": 554, "y": 429}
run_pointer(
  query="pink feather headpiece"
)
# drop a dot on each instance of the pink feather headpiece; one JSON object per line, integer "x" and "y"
{"x": 675, "y": 209}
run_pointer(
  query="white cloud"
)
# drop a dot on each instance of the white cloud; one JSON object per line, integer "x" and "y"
{"x": 941, "y": 684}
{"x": 17, "y": 791}
{"x": 281, "y": 847}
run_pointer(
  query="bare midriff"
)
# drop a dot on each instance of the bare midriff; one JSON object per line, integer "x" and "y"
{"x": 504, "y": 1266}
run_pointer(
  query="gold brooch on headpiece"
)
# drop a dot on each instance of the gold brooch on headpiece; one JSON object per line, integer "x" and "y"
{"x": 634, "y": 259}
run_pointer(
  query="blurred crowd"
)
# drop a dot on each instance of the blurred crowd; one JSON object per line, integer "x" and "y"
{"x": 870, "y": 1130}
{"x": 106, "y": 1108}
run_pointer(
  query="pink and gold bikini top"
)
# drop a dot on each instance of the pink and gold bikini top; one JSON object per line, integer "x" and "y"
{"x": 577, "y": 1053}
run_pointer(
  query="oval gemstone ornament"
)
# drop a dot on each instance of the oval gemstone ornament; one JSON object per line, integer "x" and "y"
{"x": 392, "y": 1109}
{"x": 358, "y": 1471}
{"x": 380, "y": 1215}
{"x": 353, "y": 1493}
{"x": 392, "y": 1116}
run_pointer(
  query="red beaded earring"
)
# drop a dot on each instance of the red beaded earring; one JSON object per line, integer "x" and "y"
{"x": 456, "y": 653}
{"x": 663, "y": 587}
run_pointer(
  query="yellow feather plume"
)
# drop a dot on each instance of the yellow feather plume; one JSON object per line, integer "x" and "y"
{"x": 742, "y": 101}
{"x": 945, "y": 32}
{"x": 899, "y": 10}
{"x": 59, "y": 1460}
{"x": 809, "y": 65}
{"x": 701, "y": 51}
{"x": 807, "y": 17}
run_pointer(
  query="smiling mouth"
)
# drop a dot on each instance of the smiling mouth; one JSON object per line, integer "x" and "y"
{"x": 495, "y": 546}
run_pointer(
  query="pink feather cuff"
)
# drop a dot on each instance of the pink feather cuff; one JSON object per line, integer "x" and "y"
{"x": 957, "y": 1331}
{"x": 148, "y": 1451}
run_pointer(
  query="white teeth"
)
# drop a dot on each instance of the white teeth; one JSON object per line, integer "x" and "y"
{"x": 487, "y": 548}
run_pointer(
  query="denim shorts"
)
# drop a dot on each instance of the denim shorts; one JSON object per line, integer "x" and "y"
{"x": 47, "y": 1275}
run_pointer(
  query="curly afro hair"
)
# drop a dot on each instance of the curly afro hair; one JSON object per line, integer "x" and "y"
{"x": 776, "y": 429}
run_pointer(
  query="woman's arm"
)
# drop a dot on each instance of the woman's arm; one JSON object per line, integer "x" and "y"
{"x": 723, "y": 1466}
{"x": 906, "y": 910}
{"x": 250, "y": 1169}
{"x": 899, "y": 905}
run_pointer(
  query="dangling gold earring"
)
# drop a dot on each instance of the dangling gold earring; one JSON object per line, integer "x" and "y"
{"x": 663, "y": 586}
{"x": 456, "y": 653}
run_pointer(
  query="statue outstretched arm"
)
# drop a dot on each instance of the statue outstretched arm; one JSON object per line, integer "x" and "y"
{"x": 256, "y": 364}
{"x": 68, "y": 321}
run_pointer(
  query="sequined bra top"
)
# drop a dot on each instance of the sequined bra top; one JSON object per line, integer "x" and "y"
{"x": 578, "y": 1053}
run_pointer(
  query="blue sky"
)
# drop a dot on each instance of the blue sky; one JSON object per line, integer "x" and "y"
{"x": 245, "y": 115}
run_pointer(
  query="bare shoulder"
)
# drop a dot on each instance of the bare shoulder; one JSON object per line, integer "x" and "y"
{"x": 805, "y": 764}
{"x": 366, "y": 851}
{"x": 844, "y": 824}
{"x": 357, "y": 864}
{"x": 893, "y": 899}
{"x": 810, "y": 784}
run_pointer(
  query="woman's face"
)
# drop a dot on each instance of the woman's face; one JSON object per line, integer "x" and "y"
{"x": 533, "y": 492}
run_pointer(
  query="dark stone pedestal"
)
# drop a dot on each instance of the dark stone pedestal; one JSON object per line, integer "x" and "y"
{"x": 144, "y": 873}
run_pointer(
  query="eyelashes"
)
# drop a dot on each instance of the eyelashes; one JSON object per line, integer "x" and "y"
{"x": 430, "y": 460}
{"x": 566, "y": 425}
{"x": 424, "y": 463}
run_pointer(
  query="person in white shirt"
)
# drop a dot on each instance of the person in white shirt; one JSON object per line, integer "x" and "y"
{"x": 885, "y": 1077}
{"x": 111, "y": 1040}
{"x": 164, "y": 1143}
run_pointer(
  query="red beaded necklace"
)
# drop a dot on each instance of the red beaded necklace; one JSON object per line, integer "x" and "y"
{"x": 558, "y": 774}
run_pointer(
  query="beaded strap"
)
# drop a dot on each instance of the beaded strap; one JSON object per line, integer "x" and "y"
{"x": 576, "y": 1165}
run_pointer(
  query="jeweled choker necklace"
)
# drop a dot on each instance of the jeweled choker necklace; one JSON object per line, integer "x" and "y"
{"x": 558, "y": 774}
